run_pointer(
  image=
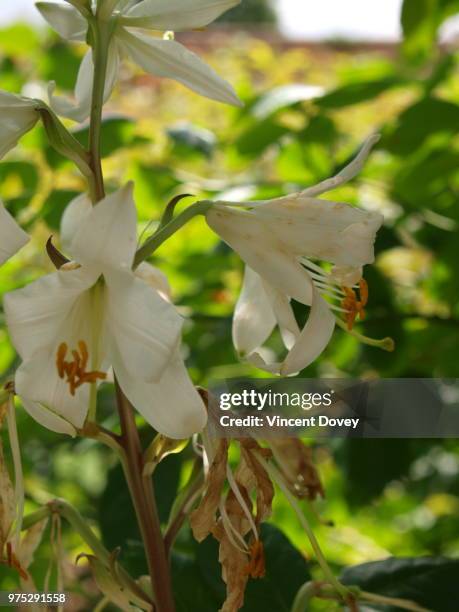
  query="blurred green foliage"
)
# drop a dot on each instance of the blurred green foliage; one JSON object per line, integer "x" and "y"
{"x": 386, "y": 497}
{"x": 251, "y": 11}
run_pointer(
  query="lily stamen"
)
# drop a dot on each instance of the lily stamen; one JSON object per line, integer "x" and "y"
{"x": 355, "y": 307}
{"x": 75, "y": 370}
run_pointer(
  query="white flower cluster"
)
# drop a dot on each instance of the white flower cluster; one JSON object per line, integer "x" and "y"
{"x": 100, "y": 312}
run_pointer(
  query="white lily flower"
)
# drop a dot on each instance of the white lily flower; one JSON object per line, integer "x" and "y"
{"x": 279, "y": 240}
{"x": 12, "y": 237}
{"x": 18, "y": 115}
{"x": 69, "y": 326}
{"x": 157, "y": 56}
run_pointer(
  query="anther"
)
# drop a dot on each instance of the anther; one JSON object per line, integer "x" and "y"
{"x": 60, "y": 359}
{"x": 355, "y": 307}
{"x": 75, "y": 371}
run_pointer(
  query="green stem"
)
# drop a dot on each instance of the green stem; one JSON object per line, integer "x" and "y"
{"x": 331, "y": 578}
{"x": 165, "y": 232}
{"x": 101, "y": 32}
{"x": 303, "y": 597}
{"x": 404, "y": 604}
{"x": 18, "y": 475}
{"x": 72, "y": 516}
{"x": 183, "y": 505}
{"x": 35, "y": 517}
{"x": 145, "y": 506}
{"x": 79, "y": 524}
{"x": 132, "y": 455}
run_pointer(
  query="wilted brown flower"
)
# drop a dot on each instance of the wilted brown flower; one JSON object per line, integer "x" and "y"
{"x": 230, "y": 516}
{"x": 295, "y": 461}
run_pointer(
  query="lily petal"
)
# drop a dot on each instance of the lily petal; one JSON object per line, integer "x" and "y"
{"x": 172, "y": 405}
{"x": 257, "y": 360}
{"x": 155, "y": 278}
{"x": 74, "y": 215}
{"x": 38, "y": 315}
{"x": 18, "y": 117}
{"x": 48, "y": 419}
{"x": 43, "y": 393}
{"x": 330, "y": 231}
{"x": 346, "y": 275}
{"x": 81, "y": 108}
{"x": 244, "y": 233}
{"x": 313, "y": 339}
{"x": 280, "y": 304}
{"x": 107, "y": 235}
{"x": 310, "y": 343}
{"x": 145, "y": 329}
{"x": 65, "y": 19}
{"x": 167, "y": 58}
{"x": 253, "y": 320}
{"x": 12, "y": 237}
{"x": 177, "y": 15}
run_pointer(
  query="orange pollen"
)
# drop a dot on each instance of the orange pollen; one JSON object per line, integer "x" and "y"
{"x": 75, "y": 370}
{"x": 352, "y": 305}
{"x": 256, "y": 566}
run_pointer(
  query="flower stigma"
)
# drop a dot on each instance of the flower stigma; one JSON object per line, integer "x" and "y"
{"x": 75, "y": 370}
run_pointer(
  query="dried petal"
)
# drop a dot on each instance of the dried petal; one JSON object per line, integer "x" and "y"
{"x": 256, "y": 567}
{"x": 234, "y": 563}
{"x": 30, "y": 542}
{"x": 253, "y": 476}
{"x": 203, "y": 519}
{"x": 295, "y": 460}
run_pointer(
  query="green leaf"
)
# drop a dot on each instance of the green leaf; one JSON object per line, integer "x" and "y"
{"x": 429, "y": 581}
{"x": 189, "y": 138}
{"x": 20, "y": 41}
{"x": 416, "y": 124}
{"x": 190, "y": 590}
{"x": 260, "y": 135}
{"x": 54, "y": 207}
{"x": 117, "y": 133}
{"x": 420, "y": 182}
{"x": 21, "y": 176}
{"x": 60, "y": 63}
{"x": 370, "y": 464}
{"x": 420, "y": 22}
{"x": 441, "y": 72}
{"x": 320, "y": 129}
{"x": 273, "y": 593}
{"x": 354, "y": 93}
{"x": 283, "y": 97}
